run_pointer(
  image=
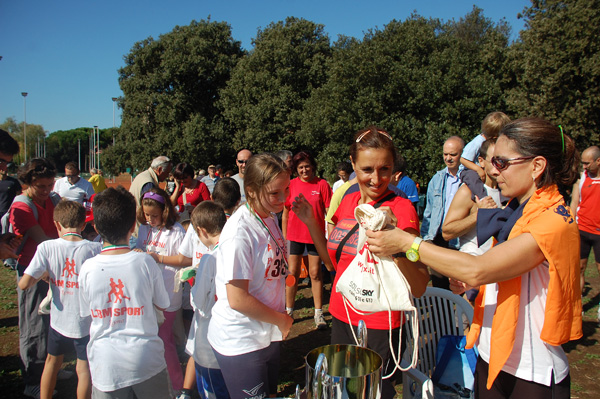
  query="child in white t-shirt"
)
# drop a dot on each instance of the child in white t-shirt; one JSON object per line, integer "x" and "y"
{"x": 60, "y": 262}
{"x": 160, "y": 235}
{"x": 208, "y": 219}
{"x": 120, "y": 289}
{"x": 248, "y": 321}
{"x": 227, "y": 194}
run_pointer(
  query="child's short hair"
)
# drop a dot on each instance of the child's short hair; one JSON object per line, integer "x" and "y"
{"x": 114, "y": 214}
{"x": 227, "y": 193}
{"x": 69, "y": 214}
{"x": 493, "y": 123}
{"x": 485, "y": 146}
{"x": 158, "y": 198}
{"x": 209, "y": 216}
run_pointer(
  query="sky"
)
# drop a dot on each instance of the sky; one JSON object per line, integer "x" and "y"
{"x": 66, "y": 54}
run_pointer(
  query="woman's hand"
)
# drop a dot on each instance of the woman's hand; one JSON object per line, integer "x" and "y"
{"x": 458, "y": 287}
{"x": 389, "y": 242}
{"x": 485, "y": 203}
{"x": 390, "y": 213}
{"x": 303, "y": 209}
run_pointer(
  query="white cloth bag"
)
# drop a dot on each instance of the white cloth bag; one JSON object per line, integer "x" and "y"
{"x": 372, "y": 284}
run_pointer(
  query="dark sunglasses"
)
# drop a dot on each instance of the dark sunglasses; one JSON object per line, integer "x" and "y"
{"x": 243, "y": 161}
{"x": 501, "y": 163}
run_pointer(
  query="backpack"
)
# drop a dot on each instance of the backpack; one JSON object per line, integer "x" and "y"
{"x": 8, "y": 228}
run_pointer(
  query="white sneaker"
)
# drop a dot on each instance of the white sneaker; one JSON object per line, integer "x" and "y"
{"x": 320, "y": 321}
{"x": 290, "y": 312}
{"x": 183, "y": 395}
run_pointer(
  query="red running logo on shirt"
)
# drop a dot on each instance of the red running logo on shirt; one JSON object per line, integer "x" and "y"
{"x": 69, "y": 268}
{"x": 117, "y": 290}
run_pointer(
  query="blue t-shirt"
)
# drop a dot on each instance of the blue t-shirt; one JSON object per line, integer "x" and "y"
{"x": 471, "y": 150}
{"x": 408, "y": 186}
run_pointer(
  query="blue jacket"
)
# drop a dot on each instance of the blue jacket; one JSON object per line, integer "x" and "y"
{"x": 433, "y": 216}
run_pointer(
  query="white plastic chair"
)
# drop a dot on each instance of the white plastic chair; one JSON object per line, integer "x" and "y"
{"x": 440, "y": 313}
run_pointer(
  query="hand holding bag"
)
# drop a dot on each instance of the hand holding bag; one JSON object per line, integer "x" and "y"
{"x": 372, "y": 284}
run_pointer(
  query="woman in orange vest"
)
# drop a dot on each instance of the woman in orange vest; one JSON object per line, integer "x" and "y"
{"x": 530, "y": 302}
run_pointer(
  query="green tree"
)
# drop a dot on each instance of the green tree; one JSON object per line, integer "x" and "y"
{"x": 421, "y": 79}
{"x": 171, "y": 86}
{"x": 555, "y": 66}
{"x": 264, "y": 101}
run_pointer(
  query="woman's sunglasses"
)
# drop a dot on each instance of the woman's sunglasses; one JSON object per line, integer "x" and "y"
{"x": 502, "y": 163}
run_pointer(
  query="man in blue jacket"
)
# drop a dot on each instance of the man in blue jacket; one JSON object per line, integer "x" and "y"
{"x": 440, "y": 191}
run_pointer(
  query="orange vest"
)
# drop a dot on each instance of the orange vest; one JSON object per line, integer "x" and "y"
{"x": 550, "y": 222}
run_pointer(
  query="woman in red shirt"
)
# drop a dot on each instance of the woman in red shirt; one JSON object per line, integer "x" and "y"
{"x": 373, "y": 155}
{"x": 318, "y": 193}
{"x": 188, "y": 192}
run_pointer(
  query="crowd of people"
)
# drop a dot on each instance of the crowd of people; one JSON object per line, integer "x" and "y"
{"x": 210, "y": 264}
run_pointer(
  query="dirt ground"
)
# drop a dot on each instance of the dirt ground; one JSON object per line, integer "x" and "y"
{"x": 583, "y": 354}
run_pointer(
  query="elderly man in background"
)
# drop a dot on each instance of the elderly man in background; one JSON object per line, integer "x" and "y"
{"x": 441, "y": 189}
{"x": 211, "y": 179}
{"x": 72, "y": 186}
{"x": 157, "y": 172}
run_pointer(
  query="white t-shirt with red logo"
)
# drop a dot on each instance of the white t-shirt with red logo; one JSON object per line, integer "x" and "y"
{"x": 62, "y": 260}
{"x": 248, "y": 252}
{"x": 119, "y": 292}
{"x": 192, "y": 247}
{"x": 164, "y": 242}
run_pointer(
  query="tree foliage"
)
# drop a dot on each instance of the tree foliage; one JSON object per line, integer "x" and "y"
{"x": 264, "y": 100}
{"x": 171, "y": 87}
{"x": 556, "y": 66}
{"x": 196, "y": 96}
{"x": 34, "y": 133}
{"x": 421, "y": 79}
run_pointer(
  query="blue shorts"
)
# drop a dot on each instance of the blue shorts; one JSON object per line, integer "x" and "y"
{"x": 253, "y": 374}
{"x": 211, "y": 384}
{"x": 58, "y": 344}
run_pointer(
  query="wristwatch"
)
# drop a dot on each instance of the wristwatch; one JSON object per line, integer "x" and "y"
{"x": 413, "y": 253}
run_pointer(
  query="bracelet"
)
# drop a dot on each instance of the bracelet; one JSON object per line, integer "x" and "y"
{"x": 162, "y": 258}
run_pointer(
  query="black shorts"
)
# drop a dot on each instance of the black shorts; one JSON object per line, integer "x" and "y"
{"x": 589, "y": 241}
{"x": 297, "y": 248}
{"x": 58, "y": 344}
{"x": 256, "y": 372}
{"x": 507, "y": 385}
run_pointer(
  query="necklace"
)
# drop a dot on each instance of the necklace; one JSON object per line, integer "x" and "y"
{"x": 109, "y": 248}
{"x": 72, "y": 234}
{"x": 152, "y": 238}
{"x": 290, "y": 280}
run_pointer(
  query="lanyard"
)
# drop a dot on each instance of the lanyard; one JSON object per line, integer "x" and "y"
{"x": 114, "y": 248}
{"x": 290, "y": 280}
{"x": 72, "y": 234}
{"x": 152, "y": 238}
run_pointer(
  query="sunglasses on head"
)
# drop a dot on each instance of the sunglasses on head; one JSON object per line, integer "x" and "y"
{"x": 502, "y": 163}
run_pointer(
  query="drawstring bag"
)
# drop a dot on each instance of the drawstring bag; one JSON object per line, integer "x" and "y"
{"x": 372, "y": 284}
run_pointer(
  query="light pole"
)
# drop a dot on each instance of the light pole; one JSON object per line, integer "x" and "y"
{"x": 98, "y": 144}
{"x": 114, "y": 100}
{"x": 24, "y": 94}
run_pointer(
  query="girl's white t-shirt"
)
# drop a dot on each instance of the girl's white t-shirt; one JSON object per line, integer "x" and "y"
{"x": 120, "y": 292}
{"x": 248, "y": 252}
{"x": 164, "y": 242}
{"x": 62, "y": 260}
